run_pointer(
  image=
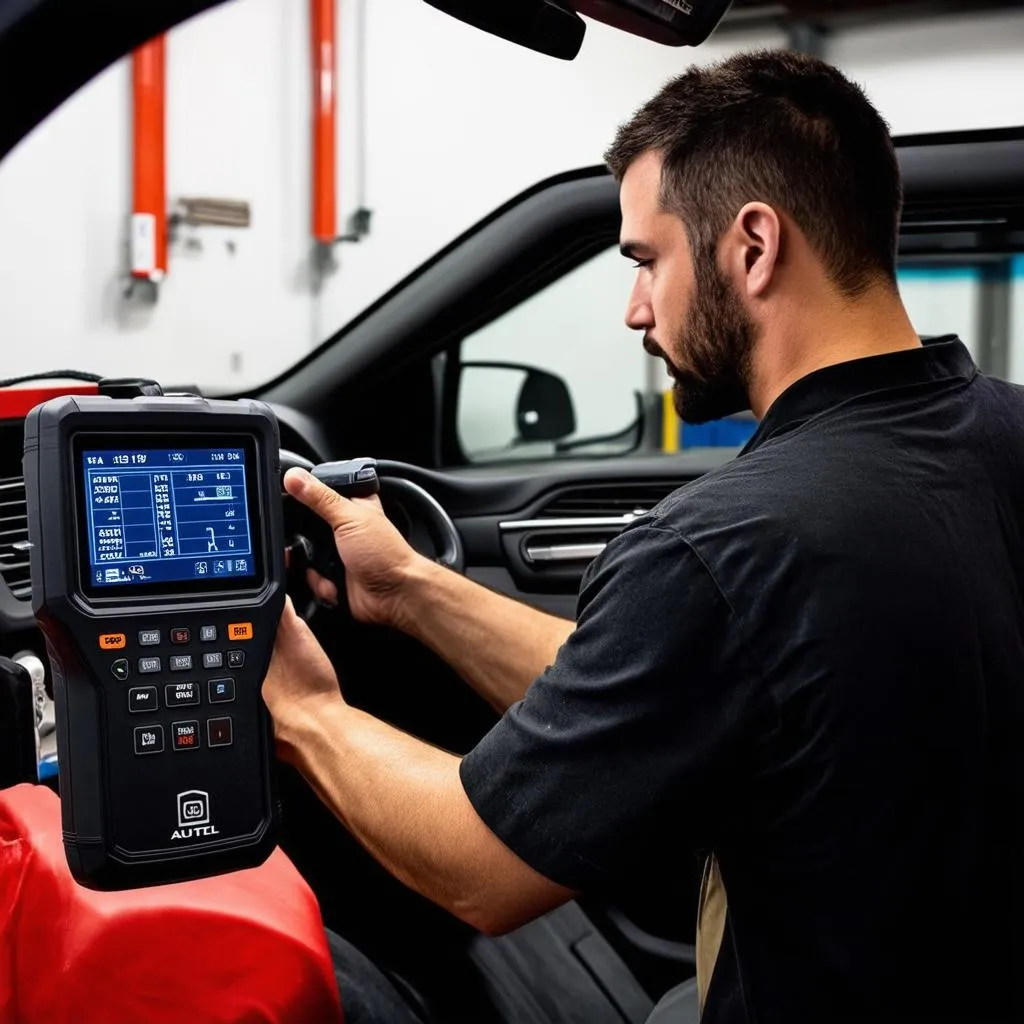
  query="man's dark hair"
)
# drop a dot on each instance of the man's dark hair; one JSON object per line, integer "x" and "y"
{"x": 784, "y": 129}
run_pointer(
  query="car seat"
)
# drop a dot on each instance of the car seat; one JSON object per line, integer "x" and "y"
{"x": 677, "y": 1006}
{"x": 248, "y": 946}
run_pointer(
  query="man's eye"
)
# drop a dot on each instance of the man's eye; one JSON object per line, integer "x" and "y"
{"x": 640, "y": 264}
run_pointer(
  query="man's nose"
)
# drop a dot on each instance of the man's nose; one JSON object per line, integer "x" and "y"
{"x": 639, "y": 314}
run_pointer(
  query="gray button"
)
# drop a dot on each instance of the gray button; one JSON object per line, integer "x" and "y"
{"x": 207, "y": 634}
{"x": 149, "y": 665}
{"x": 149, "y": 637}
{"x": 213, "y": 659}
{"x": 181, "y": 662}
{"x": 236, "y": 659}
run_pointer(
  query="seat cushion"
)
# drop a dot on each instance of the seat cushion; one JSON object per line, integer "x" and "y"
{"x": 677, "y": 1006}
{"x": 249, "y": 946}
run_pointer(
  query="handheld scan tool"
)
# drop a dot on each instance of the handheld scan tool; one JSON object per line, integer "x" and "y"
{"x": 158, "y": 581}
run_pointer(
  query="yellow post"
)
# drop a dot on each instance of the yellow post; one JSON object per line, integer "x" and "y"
{"x": 669, "y": 423}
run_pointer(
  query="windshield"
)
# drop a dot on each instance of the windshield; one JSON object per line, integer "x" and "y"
{"x": 427, "y": 146}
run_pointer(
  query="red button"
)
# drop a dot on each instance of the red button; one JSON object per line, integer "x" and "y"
{"x": 185, "y": 735}
{"x": 180, "y": 636}
{"x": 219, "y": 732}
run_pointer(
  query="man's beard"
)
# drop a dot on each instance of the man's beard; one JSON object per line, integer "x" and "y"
{"x": 718, "y": 339}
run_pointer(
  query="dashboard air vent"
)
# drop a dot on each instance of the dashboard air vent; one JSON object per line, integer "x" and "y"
{"x": 14, "y": 551}
{"x": 619, "y": 500}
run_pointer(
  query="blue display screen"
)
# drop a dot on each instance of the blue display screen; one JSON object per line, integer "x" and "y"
{"x": 168, "y": 516}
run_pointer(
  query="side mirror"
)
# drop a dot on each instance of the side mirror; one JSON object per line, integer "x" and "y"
{"x": 507, "y": 405}
{"x": 511, "y": 411}
{"x": 544, "y": 411}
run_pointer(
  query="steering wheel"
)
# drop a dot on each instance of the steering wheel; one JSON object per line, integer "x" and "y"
{"x": 311, "y": 542}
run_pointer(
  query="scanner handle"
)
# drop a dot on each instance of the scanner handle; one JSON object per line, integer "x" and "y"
{"x": 351, "y": 478}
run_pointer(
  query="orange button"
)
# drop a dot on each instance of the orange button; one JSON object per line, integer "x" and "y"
{"x": 240, "y": 631}
{"x": 112, "y": 641}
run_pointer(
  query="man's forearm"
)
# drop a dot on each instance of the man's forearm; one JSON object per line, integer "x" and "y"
{"x": 404, "y": 801}
{"x": 499, "y": 646}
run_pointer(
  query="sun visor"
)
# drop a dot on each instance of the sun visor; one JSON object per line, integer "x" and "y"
{"x": 554, "y": 27}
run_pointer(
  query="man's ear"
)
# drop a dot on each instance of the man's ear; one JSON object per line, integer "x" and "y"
{"x": 754, "y": 244}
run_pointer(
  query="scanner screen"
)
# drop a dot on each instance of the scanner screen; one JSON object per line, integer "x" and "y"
{"x": 157, "y": 516}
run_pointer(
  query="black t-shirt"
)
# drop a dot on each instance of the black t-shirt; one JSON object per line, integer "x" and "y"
{"x": 809, "y": 663}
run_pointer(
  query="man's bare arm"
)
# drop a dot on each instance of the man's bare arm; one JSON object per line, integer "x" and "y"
{"x": 400, "y": 797}
{"x": 498, "y": 645}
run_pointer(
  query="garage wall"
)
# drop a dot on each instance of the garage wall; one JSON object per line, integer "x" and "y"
{"x": 456, "y": 122}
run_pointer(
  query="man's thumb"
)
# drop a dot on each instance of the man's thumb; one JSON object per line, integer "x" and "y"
{"x": 327, "y": 504}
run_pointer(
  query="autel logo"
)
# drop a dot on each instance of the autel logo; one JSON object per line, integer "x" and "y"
{"x": 194, "y": 816}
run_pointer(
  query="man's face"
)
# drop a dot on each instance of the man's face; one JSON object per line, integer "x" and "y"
{"x": 689, "y": 314}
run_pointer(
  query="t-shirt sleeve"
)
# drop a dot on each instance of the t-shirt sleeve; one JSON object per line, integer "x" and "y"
{"x": 618, "y": 744}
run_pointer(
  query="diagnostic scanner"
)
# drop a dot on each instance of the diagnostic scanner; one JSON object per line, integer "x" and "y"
{"x": 158, "y": 581}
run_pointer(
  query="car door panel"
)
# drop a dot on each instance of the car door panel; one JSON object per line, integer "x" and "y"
{"x": 531, "y": 530}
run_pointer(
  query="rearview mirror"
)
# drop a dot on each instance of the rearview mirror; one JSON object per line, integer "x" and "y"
{"x": 547, "y": 26}
{"x": 555, "y": 27}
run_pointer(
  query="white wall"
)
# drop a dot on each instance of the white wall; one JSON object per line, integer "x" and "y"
{"x": 456, "y": 122}
{"x": 944, "y": 301}
{"x": 942, "y": 74}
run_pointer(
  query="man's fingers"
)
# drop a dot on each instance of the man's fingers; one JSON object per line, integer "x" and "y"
{"x": 327, "y": 504}
{"x": 323, "y": 589}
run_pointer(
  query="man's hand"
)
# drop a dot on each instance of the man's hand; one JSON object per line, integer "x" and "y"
{"x": 400, "y": 797}
{"x": 300, "y": 684}
{"x": 497, "y": 645}
{"x": 377, "y": 558}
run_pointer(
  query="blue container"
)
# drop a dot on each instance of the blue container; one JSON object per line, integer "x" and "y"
{"x": 731, "y": 432}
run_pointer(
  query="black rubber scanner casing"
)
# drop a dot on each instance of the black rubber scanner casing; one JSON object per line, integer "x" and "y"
{"x": 131, "y": 821}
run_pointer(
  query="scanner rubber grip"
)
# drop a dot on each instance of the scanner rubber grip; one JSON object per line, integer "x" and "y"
{"x": 351, "y": 478}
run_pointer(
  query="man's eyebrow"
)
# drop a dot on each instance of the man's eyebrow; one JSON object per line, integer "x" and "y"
{"x": 631, "y": 250}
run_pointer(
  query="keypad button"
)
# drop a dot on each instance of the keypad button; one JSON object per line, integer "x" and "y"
{"x": 112, "y": 641}
{"x": 149, "y": 637}
{"x": 219, "y": 733}
{"x": 236, "y": 659}
{"x": 240, "y": 631}
{"x": 181, "y": 635}
{"x": 207, "y": 634}
{"x": 180, "y": 694}
{"x": 120, "y": 669}
{"x": 185, "y": 735}
{"x": 142, "y": 698}
{"x": 149, "y": 665}
{"x": 221, "y": 691}
{"x": 181, "y": 662}
{"x": 149, "y": 739}
{"x": 213, "y": 659}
